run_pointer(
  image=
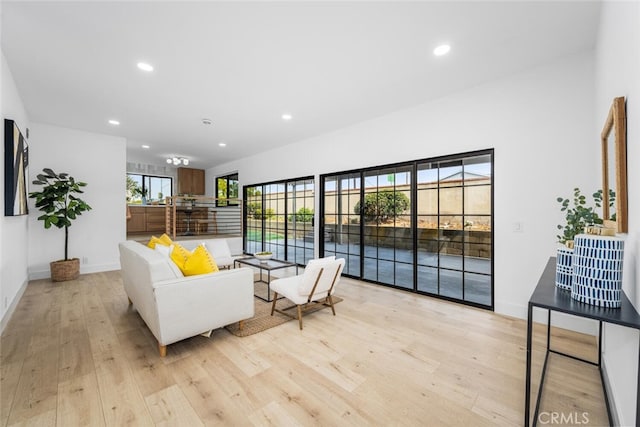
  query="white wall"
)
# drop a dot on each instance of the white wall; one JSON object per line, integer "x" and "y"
{"x": 541, "y": 125}
{"x": 13, "y": 247}
{"x": 99, "y": 160}
{"x": 618, "y": 74}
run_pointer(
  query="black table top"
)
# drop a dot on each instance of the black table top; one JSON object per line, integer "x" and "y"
{"x": 548, "y": 295}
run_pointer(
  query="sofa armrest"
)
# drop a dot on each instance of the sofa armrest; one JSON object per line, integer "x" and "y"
{"x": 191, "y": 305}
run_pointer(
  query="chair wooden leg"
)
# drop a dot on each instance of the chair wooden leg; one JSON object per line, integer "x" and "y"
{"x": 241, "y": 325}
{"x": 163, "y": 350}
{"x": 331, "y": 304}
{"x": 273, "y": 306}
{"x": 300, "y": 316}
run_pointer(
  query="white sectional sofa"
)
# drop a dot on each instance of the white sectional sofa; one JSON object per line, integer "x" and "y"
{"x": 175, "y": 307}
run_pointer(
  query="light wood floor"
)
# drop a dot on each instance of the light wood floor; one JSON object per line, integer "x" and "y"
{"x": 76, "y": 353}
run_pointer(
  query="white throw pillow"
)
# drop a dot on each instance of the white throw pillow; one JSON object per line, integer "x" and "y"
{"x": 166, "y": 252}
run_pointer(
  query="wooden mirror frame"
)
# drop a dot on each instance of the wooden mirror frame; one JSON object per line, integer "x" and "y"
{"x": 616, "y": 121}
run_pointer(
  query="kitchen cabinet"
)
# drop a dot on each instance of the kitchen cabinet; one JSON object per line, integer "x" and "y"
{"x": 191, "y": 181}
{"x": 146, "y": 219}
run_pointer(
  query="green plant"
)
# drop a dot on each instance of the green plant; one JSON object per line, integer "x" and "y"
{"x": 383, "y": 206}
{"x": 268, "y": 213}
{"x": 597, "y": 196}
{"x": 132, "y": 188}
{"x": 58, "y": 202}
{"x": 578, "y": 216}
{"x": 303, "y": 215}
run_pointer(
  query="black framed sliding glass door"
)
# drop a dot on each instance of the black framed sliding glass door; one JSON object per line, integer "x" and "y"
{"x": 424, "y": 226}
{"x": 279, "y": 217}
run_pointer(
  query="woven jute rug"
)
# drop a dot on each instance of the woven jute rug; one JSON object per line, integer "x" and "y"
{"x": 263, "y": 320}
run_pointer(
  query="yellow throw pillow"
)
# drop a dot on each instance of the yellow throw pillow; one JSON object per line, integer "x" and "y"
{"x": 162, "y": 240}
{"x": 179, "y": 256}
{"x": 166, "y": 239}
{"x": 199, "y": 262}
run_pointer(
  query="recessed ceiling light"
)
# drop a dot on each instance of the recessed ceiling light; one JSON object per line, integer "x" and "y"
{"x": 145, "y": 146}
{"x": 114, "y": 122}
{"x": 145, "y": 67}
{"x": 443, "y": 49}
{"x": 222, "y": 144}
{"x": 287, "y": 116}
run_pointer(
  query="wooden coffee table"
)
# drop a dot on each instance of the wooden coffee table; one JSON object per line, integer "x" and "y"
{"x": 262, "y": 266}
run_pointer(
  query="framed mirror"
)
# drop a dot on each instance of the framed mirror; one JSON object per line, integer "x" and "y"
{"x": 614, "y": 165}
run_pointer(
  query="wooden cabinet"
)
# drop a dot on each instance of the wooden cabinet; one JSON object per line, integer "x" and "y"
{"x": 191, "y": 181}
{"x": 146, "y": 219}
{"x": 155, "y": 219}
{"x": 137, "y": 222}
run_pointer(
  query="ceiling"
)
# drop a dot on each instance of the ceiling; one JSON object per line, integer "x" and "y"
{"x": 329, "y": 64}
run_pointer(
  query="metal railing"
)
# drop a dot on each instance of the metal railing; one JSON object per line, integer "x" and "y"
{"x": 201, "y": 215}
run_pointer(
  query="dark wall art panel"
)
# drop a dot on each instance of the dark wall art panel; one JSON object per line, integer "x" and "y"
{"x": 16, "y": 162}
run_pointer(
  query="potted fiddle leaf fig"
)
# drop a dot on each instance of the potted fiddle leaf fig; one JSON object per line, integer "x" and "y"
{"x": 60, "y": 207}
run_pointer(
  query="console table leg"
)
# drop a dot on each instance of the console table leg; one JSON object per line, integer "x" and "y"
{"x": 638, "y": 387}
{"x": 527, "y": 391}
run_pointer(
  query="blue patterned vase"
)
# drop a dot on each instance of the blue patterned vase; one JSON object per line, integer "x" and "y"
{"x": 564, "y": 268}
{"x": 597, "y": 270}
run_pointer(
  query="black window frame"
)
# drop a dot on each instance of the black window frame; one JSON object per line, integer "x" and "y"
{"x": 144, "y": 180}
{"x": 228, "y": 178}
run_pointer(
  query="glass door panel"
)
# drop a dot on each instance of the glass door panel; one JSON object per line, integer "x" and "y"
{"x": 342, "y": 220}
{"x": 388, "y": 230}
{"x": 253, "y": 219}
{"x": 300, "y": 221}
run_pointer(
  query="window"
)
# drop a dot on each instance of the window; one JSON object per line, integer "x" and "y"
{"x": 148, "y": 188}
{"x": 424, "y": 226}
{"x": 227, "y": 188}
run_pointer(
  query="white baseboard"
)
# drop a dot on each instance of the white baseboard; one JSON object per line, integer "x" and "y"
{"x": 84, "y": 269}
{"x": 510, "y": 309}
{"x": 559, "y": 320}
{"x": 12, "y": 306}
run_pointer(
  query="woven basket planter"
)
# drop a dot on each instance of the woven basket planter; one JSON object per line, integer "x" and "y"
{"x": 65, "y": 270}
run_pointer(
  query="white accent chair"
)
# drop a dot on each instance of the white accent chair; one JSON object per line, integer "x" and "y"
{"x": 311, "y": 288}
